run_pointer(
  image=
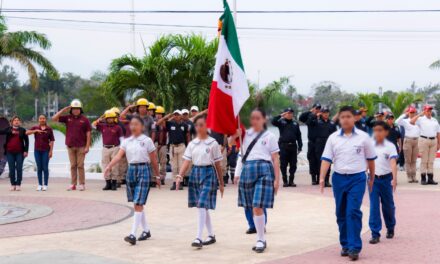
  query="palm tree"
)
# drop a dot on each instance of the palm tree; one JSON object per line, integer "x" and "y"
{"x": 369, "y": 101}
{"x": 18, "y": 46}
{"x": 401, "y": 101}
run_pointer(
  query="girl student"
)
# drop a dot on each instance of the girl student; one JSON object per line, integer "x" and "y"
{"x": 141, "y": 156}
{"x": 258, "y": 173}
{"x": 206, "y": 176}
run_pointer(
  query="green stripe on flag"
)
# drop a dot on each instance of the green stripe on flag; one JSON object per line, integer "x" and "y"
{"x": 229, "y": 32}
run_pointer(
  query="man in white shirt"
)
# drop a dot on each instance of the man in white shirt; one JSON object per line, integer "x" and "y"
{"x": 410, "y": 143}
{"x": 429, "y": 143}
{"x": 351, "y": 151}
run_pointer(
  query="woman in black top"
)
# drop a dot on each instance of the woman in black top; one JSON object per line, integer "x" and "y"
{"x": 16, "y": 150}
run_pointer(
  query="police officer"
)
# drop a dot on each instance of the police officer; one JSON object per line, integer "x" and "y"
{"x": 311, "y": 135}
{"x": 379, "y": 116}
{"x": 290, "y": 143}
{"x": 324, "y": 127}
{"x": 360, "y": 123}
{"x": 394, "y": 135}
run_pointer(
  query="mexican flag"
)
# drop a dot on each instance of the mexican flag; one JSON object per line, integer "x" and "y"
{"x": 229, "y": 89}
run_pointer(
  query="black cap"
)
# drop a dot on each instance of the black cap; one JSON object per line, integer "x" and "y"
{"x": 357, "y": 112}
{"x": 288, "y": 109}
{"x": 317, "y": 105}
{"x": 379, "y": 113}
{"x": 389, "y": 116}
{"x": 325, "y": 110}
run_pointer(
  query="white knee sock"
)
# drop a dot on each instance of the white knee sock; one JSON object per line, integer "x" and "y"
{"x": 209, "y": 224}
{"x": 137, "y": 219}
{"x": 202, "y": 221}
{"x": 259, "y": 225}
{"x": 144, "y": 222}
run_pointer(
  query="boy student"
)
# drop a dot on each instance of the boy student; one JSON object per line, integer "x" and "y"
{"x": 352, "y": 152}
{"x": 385, "y": 183}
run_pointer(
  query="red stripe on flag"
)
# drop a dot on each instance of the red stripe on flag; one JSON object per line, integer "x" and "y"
{"x": 221, "y": 117}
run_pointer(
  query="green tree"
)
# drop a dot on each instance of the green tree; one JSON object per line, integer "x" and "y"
{"x": 369, "y": 101}
{"x": 400, "y": 101}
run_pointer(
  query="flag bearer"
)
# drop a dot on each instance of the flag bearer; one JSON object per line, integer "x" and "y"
{"x": 385, "y": 183}
{"x": 111, "y": 138}
{"x": 290, "y": 144}
{"x": 352, "y": 152}
{"x": 258, "y": 173}
{"x": 410, "y": 143}
{"x": 160, "y": 140}
{"x": 204, "y": 154}
{"x": 429, "y": 143}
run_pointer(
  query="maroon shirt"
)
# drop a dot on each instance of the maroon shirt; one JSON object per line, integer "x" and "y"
{"x": 42, "y": 140}
{"x": 14, "y": 144}
{"x": 76, "y": 130}
{"x": 111, "y": 133}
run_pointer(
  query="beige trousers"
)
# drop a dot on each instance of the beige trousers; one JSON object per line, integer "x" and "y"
{"x": 77, "y": 157}
{"x": 108, "y": 154}
{"x": 410, "y": 151}
{"x": 428, "y": 150}
{"x": 162, "y": 159}
{"x": 176, "y": 158}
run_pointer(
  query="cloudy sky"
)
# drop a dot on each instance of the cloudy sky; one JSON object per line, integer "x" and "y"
{"x": 358, "y": 61}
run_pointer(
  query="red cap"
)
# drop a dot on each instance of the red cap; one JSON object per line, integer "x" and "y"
{"x": 412, "y": 109}
{"x": 427, "y": 108}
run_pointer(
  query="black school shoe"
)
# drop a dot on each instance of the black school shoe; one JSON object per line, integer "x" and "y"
{"x": 173, "y": 187}
{"x": 344, "y": 252}
{"x": 197, "y": 243}
{"x": 130, "y": 239}
{"x": 260, "y": 249}
{"x": 209, "y": 241}
{"x": 390, "y": 234}
{"x": 144, "y": 236}
{"x": 251, "y": 231}
{"x": 374, "y": 240}
{"x": 353, "y": 256}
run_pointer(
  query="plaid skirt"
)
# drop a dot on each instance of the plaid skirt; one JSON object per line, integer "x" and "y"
{"x": 202, "y": 187}
{"x": 255, "y": 189}
{"x": 138, "y": 183}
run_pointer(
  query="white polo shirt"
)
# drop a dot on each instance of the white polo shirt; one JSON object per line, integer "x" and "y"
{"x": 203, "y": 152}
{"x": 349, "y": 153}
{"x": 385, "y": 152}
{"x": 138, "y": 149}
{"x": 429, "y": 127}
{"x": 412, "y": 131}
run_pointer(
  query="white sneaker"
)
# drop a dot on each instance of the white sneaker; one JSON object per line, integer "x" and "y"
{"x": 44, "y": 188}
{"x": 81, "y": 187}
{"x": 39, "y": 188}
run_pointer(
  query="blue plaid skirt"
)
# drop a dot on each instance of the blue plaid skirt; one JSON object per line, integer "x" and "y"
{"x": 202, "y": 187}
{"x": 138, "y": 183}
{"x": 255, "y": 187}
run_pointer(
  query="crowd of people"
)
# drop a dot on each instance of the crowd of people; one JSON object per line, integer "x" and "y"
{"x": 141, "y": 140}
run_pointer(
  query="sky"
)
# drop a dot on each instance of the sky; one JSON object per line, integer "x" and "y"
{"x": 357, "y": 61}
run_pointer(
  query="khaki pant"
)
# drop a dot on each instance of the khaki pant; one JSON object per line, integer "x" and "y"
{"x": 123, "y": 167}
{"x": 108, "y": 154}
{"x": 428, "y": 150}
{"x": 176, "y": 158}
{"x": 76, "y": 157}
{"x": 410, "y": 151}
{"x": 162, "y": 159}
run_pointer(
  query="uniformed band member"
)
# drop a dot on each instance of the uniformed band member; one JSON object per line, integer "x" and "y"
{"x": 410, "y": 143}
{"x": 111, "y": 138}
{"x": 204, "y": 153}
{"x": 311, "y": 136}
{"x": 429, "y": 143}
{"x": 352, "y": 152}
{"x": 360, "y": 123}
{"x": 141, "y": 155}
{"x": 324, "y": 128}
{"x": 290, "y": 144}
{"x": 385, "y": 183}
{"x": 394, "y": 135}
{"x": 258, "y": 173}
{"x": 143, "y": 112}
{"x": 160, "y": 140}
{"x": 178, "y": 136}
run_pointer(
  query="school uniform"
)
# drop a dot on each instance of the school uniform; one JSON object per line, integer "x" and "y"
{"x": 410, "y": 146}
{"x": 137, "y": 150}
{"x": 382, "y": 192}
{"x": 256, "y": 185}
{"x": 349, "y": 155}
{"x": 202, "y": 192}
{"x": 429, "y": 128}
{"x": 111, "y": 135}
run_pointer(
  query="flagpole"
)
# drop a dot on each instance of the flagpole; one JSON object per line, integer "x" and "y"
{"x": 235, "y": 12}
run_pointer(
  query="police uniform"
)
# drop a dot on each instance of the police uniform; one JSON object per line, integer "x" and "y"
{"x": 177, "y": 136}
{"x": 202, "y": 191}
{"x": 360, "y": 124}
{"x": 410, "y": 146}
{"x": 429, "y": 129}
{"x": 394, "y": 136}
{"x": 382, "y": 192}
{"x": 311, "y": 136}
{"x": 324, "y": 128}
{"x": 348, "y": 154}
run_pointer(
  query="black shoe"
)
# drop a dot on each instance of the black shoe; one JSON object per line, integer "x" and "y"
{"x": 260, "y": 249}
{"x": 123, "y": 182}
{"x": 423, "y": 179}
{"x": 114, "y": 185}
{"x": 185, "y": 182}
{"x": 152, "y": 184}
{"x": 285, "y": 185}
{"x": 390, "y": 234}
{"x": 108, "y": 185}
{"x": 251, "y": 231}
{"x": 292, "y": 184}
{"x": 344, "y": 252}
{"x": 353, "y": 256}
{"x": 144, "y": 236}
{"x": 211, "y": 240}
{"x": 130, "y": 239}
{"x": 173, "y": 187}
{"x": 226, "y": 179}
{"x": 431, "y": 179}
{"x": 197, "y": 243}
{"x": 162, "y": 182}
{"x": 118, "y": 185}
{"x": 181, "y": 187}
{"x": 374, "y": 240}
{"x": 328, "y": 185}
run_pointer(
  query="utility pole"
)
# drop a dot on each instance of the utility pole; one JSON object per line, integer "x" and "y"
{"x": 133, "y": 29}
{"x": 380, "y": 94}
{"x": 36, "y": 108}
{"x": 235, "y": 12}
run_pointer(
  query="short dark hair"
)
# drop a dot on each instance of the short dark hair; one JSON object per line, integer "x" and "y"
{"x": 382, "y": 124}
{"x": 347, "y": 108}
{"x": 199, "y": 117}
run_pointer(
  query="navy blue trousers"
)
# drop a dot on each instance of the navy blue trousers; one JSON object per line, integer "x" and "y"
{"x": 250, "y": 216}
{"x": 42, "y": 160}
{"x": 349, "y": 190}
{"x": 382, "y": 194}
{"x": 15, "y": 164}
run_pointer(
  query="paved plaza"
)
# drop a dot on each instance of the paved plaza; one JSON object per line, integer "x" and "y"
{"x": 88, "y": 227}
